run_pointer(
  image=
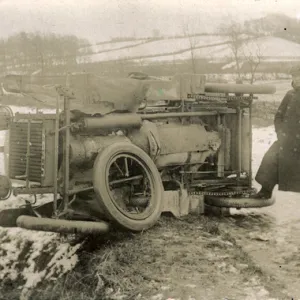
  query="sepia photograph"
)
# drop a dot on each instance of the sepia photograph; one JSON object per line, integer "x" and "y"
{"x": 150, "y": 150}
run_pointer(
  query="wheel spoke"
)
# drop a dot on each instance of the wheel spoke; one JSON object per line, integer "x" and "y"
{"x": 126, "y": 167}
{"x": 125, "y": 184}
{"x": 117, "y": 166}
{"x": 126, "y": 179}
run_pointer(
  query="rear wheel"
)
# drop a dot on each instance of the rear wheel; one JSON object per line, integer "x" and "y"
{"x": 128, "y": 186}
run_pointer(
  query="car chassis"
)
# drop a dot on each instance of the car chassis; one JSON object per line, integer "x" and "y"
{"x": 184, "y": 153}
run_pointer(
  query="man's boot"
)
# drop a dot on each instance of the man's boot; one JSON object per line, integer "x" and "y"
{"x": 264, "y": 193}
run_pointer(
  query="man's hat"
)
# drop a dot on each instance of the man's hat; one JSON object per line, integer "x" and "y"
{"x": 295, "y": 70}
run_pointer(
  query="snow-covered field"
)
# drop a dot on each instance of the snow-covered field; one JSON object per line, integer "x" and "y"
{"x": 272, "y": 48}
{"x": 157, "y": 48}
{"x": 110, "y": 46}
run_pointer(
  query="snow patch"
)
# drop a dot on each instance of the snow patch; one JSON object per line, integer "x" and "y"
{"x": 29, "y": 257}
{"x": 262, "y": 140}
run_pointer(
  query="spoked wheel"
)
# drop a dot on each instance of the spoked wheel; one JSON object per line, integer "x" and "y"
{"x": 128, "y": 186}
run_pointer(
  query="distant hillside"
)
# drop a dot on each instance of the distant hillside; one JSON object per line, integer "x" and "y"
{"x": 277, "y": 37}
{"x": 277, "y": 25}
{"x": 211, "y": 48}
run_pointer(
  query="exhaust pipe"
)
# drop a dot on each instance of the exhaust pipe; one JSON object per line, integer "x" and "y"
{"x": 62, "y": 226}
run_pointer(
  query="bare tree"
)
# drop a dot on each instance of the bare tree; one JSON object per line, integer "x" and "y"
{"x": 243, "y": 47}
{"x": 253, "y": 57}
{"x": 192, "y": 45}
{"x": 234, "y": 32}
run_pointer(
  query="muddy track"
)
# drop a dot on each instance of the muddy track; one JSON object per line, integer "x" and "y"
{"x": 193, "y": 258}
{"x": 223, "y": 269}
{"x": 271, "y": 240}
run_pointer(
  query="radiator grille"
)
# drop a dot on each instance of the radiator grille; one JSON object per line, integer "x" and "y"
{"x": 18, "y": 150}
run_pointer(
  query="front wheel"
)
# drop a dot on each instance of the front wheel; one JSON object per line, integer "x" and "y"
{"x": 128, "y": 186}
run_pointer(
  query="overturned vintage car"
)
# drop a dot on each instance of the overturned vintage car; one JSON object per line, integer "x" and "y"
{"x": 123, "y": 151}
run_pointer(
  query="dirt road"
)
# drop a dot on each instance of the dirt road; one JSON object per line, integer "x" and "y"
{"x": 260, "y": 257}
{"x": 271, "y": 238}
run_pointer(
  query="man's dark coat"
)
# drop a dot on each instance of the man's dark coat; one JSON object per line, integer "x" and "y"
{"x": 281, "y": 163}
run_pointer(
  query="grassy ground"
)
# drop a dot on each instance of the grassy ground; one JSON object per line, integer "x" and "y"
{"x": 189, "y": 258}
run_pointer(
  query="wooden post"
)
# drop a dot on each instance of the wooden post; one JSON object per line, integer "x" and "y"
{"x": 56, "y": 145}
{"x": 66, "y": 150}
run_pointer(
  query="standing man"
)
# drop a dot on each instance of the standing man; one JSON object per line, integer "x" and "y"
{"x": 281, "y": 163}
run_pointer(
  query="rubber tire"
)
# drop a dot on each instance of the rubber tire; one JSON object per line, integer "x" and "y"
{"x": 103, "y": 197}
{"x": 238, "y": 202}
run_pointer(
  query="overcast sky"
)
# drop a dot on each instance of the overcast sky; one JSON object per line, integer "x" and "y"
{"x": 102, "y": 19}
